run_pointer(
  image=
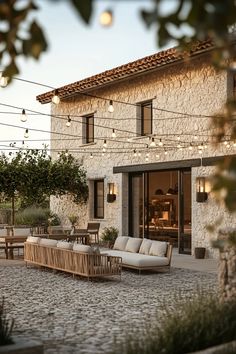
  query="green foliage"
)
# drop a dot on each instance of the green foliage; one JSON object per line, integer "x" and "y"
{"x": 6, "y": 326}
{"x": 73, "y": 219}
{"x": 110, "y": 234}
{"x": 194, "y": 325}
{"x": 36, "y": 216}
{"x": 33, "y": 176}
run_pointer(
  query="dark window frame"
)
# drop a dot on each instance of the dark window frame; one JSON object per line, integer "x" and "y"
{"x": 142, "y": 116}
{"x": 96, "y": 214}
{"x": 89, "y": 138}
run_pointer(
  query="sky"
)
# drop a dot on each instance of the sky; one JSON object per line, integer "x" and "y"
{"x": 76, "y": 51}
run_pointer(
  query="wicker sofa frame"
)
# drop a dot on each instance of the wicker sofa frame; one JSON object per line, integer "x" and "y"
{"x": 78, "y": 263}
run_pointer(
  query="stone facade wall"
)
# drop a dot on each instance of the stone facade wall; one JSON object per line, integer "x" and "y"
{"x": 190, "y": 88}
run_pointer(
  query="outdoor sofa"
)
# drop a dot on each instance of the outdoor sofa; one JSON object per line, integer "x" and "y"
{"x": 74, "y": 258}
{"x": 141, "y": 253}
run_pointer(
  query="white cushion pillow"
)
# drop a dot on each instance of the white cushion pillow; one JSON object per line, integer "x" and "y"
{"x": 21, "y": 232}
{"x": 145, "y": 246}
{"x": 133, "y": 244}
{"x": 48, "y": 242}
{"x": 158, "y": 248}
{"x": 33, "y": 239}
{"x": 82, "y": 248}
{"x": 65, "y": 245}
{"x": 3, "y": 232}
{"x": 120, "y": 243}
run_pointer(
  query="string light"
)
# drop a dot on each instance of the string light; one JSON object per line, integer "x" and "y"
{"x": 234, "y": 144}
{"x": 26, "y": 135}
{"x": 165, "y": 152}
{"x": 3, "y": 81}
{"x": 153, "y": 144}
{"x": 157, "y": 156}
{"x": 113, "y": 133}
{"x": 55, "y": 97}
{"x": 160, "y": 143}
{"x": 23, "y": 116}
{"x": 68, "y": 123}
{"x": 91, "y": 156}
{"x": 105, "y": 143}
{"x": 103, "y": 149}
{"x": 110, "y": 108}
{"x": 135, "y": 153}
{"x": 178, "y": 138}
{"x": 106, "y": 18}
{"x": 190, "y": 147}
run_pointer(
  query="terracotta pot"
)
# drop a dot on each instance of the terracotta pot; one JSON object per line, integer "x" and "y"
{"x": 199, "y": 252}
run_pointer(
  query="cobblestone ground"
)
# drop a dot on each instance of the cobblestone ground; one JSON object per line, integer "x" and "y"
{"x": 79, "y": 316}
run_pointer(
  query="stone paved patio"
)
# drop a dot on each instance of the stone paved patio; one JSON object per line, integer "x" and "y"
{"x": 79, "y": 316}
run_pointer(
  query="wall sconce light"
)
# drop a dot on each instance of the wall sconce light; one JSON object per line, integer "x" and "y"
{"x": 201, "y": 195}
{"x": 111, "y": 196}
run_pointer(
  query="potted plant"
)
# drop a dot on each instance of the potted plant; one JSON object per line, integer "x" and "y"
{"x": 73, "y": 220}
{"x": 109, "y": 236}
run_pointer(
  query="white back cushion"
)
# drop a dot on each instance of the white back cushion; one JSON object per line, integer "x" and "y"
{"x": 120, "y": 243}
{"x": 158, "y": 248}
{"x": 21, "y": 232}
{"x": 145, "y": 246}
{"x": 82, "y": 248}
{"x": 48, "y": 242}
{"x": 65, "y": 245}
{"x": 33, "y": 239}
{"x": 133, "y": 244}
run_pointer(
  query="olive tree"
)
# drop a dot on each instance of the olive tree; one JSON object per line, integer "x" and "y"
{"x": 33, "y": 177}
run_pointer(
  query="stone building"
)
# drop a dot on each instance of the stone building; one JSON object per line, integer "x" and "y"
{"x": 143, "y": 132}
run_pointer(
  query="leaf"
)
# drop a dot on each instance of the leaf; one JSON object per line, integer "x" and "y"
{"x": 84, "y": 8}
{"x": 36, "y": 44}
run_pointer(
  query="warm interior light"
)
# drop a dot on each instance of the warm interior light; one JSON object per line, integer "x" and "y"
{"x": 111, "y": 187}
{"x": 111, "y": 108}
{"x": 106, "y": 18}
{"x": 23, "y": 116}
{"x": 201, "y": 190}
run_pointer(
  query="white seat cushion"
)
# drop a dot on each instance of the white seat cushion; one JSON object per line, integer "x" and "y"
{"x": 33, "y": 239}
{"x": 48, "y": 242}
{"x": 82, "y": 248}
{"x": 145, "y": 246}
{"x": 133, "y": 244}
{"x": 120, "y": 243}
{"x": 21, "y": 232}
{"x": 138, "y": 260}
{"x": 158, "y": 248}
{"x": 65, "y": 245}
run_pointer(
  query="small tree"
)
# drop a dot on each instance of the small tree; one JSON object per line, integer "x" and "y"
{"x": 33, "y": 176}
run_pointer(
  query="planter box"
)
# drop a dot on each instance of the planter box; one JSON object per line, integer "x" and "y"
{"x": 22, "y": 346}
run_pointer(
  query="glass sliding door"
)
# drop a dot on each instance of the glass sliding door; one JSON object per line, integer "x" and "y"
{"x": 185, "y": 212}
{"x": 136, "y": 206}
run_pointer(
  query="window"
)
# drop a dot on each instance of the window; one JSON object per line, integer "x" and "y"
{"x": 99, "y": 199}
{"x": 146, "y": 118}
{"x": 88, "y": 129}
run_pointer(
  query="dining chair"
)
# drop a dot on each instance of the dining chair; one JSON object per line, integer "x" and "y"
{"x": 93, "y": 229}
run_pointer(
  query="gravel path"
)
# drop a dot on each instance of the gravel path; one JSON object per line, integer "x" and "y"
{"x": 79, "y": 316}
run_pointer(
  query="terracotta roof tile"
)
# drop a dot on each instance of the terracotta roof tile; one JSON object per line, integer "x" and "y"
{"x": 145, "y": 64}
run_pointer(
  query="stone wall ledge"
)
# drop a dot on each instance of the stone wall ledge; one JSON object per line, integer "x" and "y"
{"x": 229, "y": 348}
{"x": 22, "y": 346}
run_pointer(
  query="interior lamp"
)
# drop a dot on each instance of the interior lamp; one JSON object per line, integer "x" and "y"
{"x": 111, "y": 196}
{"x": 201, "y": 194}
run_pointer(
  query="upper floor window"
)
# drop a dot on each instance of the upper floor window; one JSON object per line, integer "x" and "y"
{"x": 88, "y": 129}
{"x": 145, "y": 117}
{"x": 99, "y": 199}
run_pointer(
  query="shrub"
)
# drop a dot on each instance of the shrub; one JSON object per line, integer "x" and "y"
{"x": 36, "y": 216}
{"x": 110, "y": 234}
{"x": 194, "y": 325}
{"x": 6, "y": 326}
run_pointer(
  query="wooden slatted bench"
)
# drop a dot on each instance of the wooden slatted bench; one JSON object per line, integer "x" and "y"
{"x": 11, "y": 243}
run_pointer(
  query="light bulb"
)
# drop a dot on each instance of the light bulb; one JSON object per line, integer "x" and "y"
{"x": 195, "y": 137}
{"x": 58, "y": 155}
{"x": 68, "y": 123}
{"x": 23, "y": 143}
{"x": 128, "y": 139}
{"x": 105, "y": 143}
{"x": 26, "y": 135}
{"x": 106, "y": 18}
{"x": 200, "y": 151}
{"x": 56, "y": 98}
{"x": 3, "y": 81}
{"x": 157, "y": 156}
{"x": 190, "y": 147}
{"x": 23, "y": 116}
{"x": 139, "y": 154}
{"x": 160, "y": 143}
{"x": 178, "y": 138}
{"x": 179, "y": 146}
{"x": 135, "y": 153}
{"x": 234, "y": 144}
{"x": 91, "y": 156}
{"x": 165, "y": 152}
{"x": 146, "y": 158}
{"x": 103, "y": 149}
{"x": 153, "y": 144}
{"x": 66, "y": 154}
{"x": 225, "y": 142}
{"x": 111, "y": 108}
{"x": 113, "y": 133}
